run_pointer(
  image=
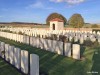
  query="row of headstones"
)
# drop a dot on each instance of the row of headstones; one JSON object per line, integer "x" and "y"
{"x": 35, "y": 31}
{"x": 20, "y": 59}
{"x": 15, "y": 37}
{"x": 66, "y": 49}
{"x": 82, "y": 37}
{"x": 47, "y": 33}
{"x": 49, "y": 45}
{"x": 76, "y": 36}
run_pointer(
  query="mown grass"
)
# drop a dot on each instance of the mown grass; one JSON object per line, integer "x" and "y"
{"x": 54, "y": 64}
{"x": 6, "y": 69}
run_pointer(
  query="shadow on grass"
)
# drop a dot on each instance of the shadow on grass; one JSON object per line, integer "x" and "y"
{"x": 53, "y": 64}
{"x": 6, "y": 69}
{"x": 82, "y": 50}
{"x": 48, "y": 60}
{"x": 96, "y": 62}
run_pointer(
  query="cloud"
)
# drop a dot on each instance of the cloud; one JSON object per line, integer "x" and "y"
{"x": 74, "y": 1}
{"x": 69, "y": 1}
{"x": 58, "y": 1}
{"x": 38, "y": 5}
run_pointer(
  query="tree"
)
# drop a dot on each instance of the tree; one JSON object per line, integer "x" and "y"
{"x": 55, "y": 15}
{"x": 76, "y": 21}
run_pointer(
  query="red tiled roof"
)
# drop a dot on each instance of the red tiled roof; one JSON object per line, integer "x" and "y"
{"x": 57, "y": 19}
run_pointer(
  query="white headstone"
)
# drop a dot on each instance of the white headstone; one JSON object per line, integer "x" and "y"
{"x": 70, "y": 38}
{"x": 17, "y": 58}
{"x": 76, "y": 39}
{"x": 27, "y": 40}
{"x": 50, "y": 45}
{"x": 37, "y": 42}
{"x": 21, "y": 38}
{"x": 67, "y": 49}
{"x": 98, "y": 39}
{"x": 54, "y": 43}
{"x": 76, "y": 51}
{"x": 2, "y": 49}
{"x": 46, "y": 44}
{"x": 81, "y": 40}
{"x": 24, "y": 39}
{"x": 85, "y": 36}
{"x": 7, "y": 52}
{"x": 11, "y": 54}
{"x": 24, "y": 61}
{"x": 58, "y": 47}
{"x": 34, "y": 64}
{"x": 34, "y": 42}
{"x": 41, "y": 43}
{"x": 31, "y": 40}
{"x": 93, "y": 39}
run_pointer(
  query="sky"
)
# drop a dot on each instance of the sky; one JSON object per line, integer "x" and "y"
{"x": 37, "y": 11}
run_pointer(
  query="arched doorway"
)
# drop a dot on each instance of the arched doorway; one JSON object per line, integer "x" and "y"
{"x": 53, "y": 27}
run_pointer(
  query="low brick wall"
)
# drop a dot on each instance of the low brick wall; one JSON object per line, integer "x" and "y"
{"x": 74, "y": 29}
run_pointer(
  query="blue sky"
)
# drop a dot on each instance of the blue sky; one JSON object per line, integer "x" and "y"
{"x": 38, "y": 10}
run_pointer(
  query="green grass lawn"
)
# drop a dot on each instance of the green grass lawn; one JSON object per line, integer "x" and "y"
{"x": 54, "y": 64}
{"x": 6, "y": 69}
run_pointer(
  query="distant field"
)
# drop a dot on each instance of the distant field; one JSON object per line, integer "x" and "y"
{"x": 89, "y": 25}
{"x": 24, "y": 25}
{"x": 44, "y": 26}
{"x": 85, "y": 26}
